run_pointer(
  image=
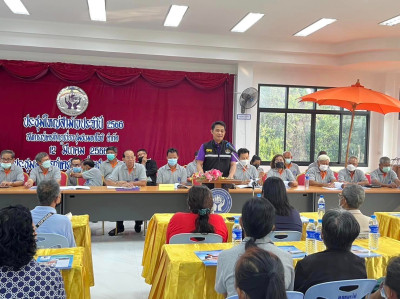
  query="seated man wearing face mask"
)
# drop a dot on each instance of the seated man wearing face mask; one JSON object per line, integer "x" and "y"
{"x": 172, "y": 172}
{"x": 384, "y": 175}
{"x": 89, "y": 173}
{"x": 245, "y": 171}
{"x": 44, "y": 171}
{"x": 76, "y": 166}
{"x": 293, "y": 167}
{"x": 11, "y": 175}
{"x": 45, "y": 216}
{"x": 351, "y": 174}
{"x": 322, "y": 176}
{"x": 108, "y": 166}
{"x": 278, "y": 170}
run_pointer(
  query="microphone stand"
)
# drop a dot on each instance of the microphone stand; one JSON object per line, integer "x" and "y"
{"x": 253, "y": 181}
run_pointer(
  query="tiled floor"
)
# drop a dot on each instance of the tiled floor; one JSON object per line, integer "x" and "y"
{"x": 117, "y": 263}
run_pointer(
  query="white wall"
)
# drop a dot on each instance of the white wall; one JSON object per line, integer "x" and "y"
{"x": 384, "y": 130}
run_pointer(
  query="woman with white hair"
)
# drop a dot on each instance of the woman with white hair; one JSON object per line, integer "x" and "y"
{"x": 322, "y": 176}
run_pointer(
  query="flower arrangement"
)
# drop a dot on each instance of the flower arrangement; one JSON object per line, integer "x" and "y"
{"x": 210, "y": 175}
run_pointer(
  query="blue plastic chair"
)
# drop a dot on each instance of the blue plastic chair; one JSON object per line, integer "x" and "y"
{"x": 51, "y": 241}
{"x": 332, "y": 290}
{"x": 233, "y": 297}
{"x": 200, "y": 238}
{"x": 285, "y": 236}
{"x": 294, "y": 295}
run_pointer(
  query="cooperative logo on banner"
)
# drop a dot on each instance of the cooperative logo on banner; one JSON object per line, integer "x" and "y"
{"x": 222, "y": 200}
{"x": 72, "y": 101}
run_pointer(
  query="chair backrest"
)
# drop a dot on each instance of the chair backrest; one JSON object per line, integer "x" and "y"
{"x": 301, "y": 178}
{"x": 285, "y": 236}
{"x": 64, "y": 179}
{"x": 51, "y": 241}
{"x": 26, "y": 177}
{"x": 368, "y": 176}
{"x": 233, "y": 297}
{"x": 81, "y": 181}
{"x": 200, "y": 238}
{"x": 334, "y": 289}
{"x": 336, "y": 175}
{"x": 294, "y": 295}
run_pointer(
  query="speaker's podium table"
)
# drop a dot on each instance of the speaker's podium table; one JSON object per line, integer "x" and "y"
{"x": 219, "y": 182}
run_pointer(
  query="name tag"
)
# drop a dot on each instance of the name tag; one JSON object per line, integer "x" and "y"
{"x": 166, "y": 187}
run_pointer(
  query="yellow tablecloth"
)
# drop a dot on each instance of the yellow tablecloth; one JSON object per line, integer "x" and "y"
{"x": 389, "y": 225}
{"x": 182, "y": 275}
{"x": 76, "y": 280}
{"x": 82, "y": 234}
{"x": 156, "y": 238}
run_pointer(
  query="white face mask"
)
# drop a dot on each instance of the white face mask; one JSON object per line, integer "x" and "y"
{"x": 323, "y": 167}
{"x": 245, "y": 162}
{"x": 351, "y": 167}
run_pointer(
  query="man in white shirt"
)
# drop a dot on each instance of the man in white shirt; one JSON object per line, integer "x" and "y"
{"x": 172, "y": 172}
{"x": 245, "y": 171}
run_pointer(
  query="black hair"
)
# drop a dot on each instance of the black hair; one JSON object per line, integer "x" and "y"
{"x": 75, "y": 158}
{"x": 17, "y": 240}
{"x": 200, "y": 202}
{"x": 172, "y": 150}
{"x": 112, "y": 148}
{"x": 322, "y": 153}
{"x": 47, "y": 191}
{"x": 255, "y": 158}
{"x": 273, "y": 161}
{"x": 258, "y": 218}
{"x": 392, "y": 279}
{"x": 275, "y": 191}
{"x": 7, "y": 152}
{"x": 128, "y": 150}
{"x": 88, "y": 162}
{"x": 260, "y": 275}
{"x": 218, "y": 122}
{"x": 141, "y": 150}
{"x": 243, "y": 151}
{"x": 339, "y": 229}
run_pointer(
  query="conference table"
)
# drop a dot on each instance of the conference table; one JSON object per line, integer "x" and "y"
{"x": 181, "y": 274}
{"x": 102, "y": 203}
{"x": 76, "y": 280}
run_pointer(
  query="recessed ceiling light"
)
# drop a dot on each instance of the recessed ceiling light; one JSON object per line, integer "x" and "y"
{"x": 175, "y": 15}
{"x": 17, "y": 7}
{"x": 97, "y": 10}
{"x": 391, "y": 22}
{"x": 249, "y": 20}
{"x": 315, "y": 26}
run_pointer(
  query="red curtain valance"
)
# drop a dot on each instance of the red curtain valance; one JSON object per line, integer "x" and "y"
{"x": 115, "y": 76}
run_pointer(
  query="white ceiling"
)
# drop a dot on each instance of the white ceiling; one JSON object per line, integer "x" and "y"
{"x": 134, "y": 29}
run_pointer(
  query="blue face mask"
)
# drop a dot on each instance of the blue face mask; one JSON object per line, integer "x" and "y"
{"x": 46, "y": 164}
{"x": 6, "y": 165}
{"x": 77, "y": 169}
{"x": 172, "y": 162}
{"x": 110, "y": 157}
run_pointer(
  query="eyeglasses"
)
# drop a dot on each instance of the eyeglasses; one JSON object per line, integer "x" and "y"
{"x": 383, "y": 293}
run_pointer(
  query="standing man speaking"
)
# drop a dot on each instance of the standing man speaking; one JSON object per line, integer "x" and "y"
{"x": 215, "y": 154}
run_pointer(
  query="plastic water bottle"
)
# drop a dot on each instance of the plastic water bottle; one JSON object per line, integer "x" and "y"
{"x": 373, "y": 233}
{"x": 320, "y": 246}
{"x": 321, "y": 207}
{"x": 310, "y": 237}
{"x": 259, "y": 195}
{"x": 307, "y": 181}
{"x": 236, "y": 232}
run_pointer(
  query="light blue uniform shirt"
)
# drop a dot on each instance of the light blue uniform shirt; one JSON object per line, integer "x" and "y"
{"x": 56, "y": 224}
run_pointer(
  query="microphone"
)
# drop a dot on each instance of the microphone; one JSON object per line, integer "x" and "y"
{"x": 230, "y": 146}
